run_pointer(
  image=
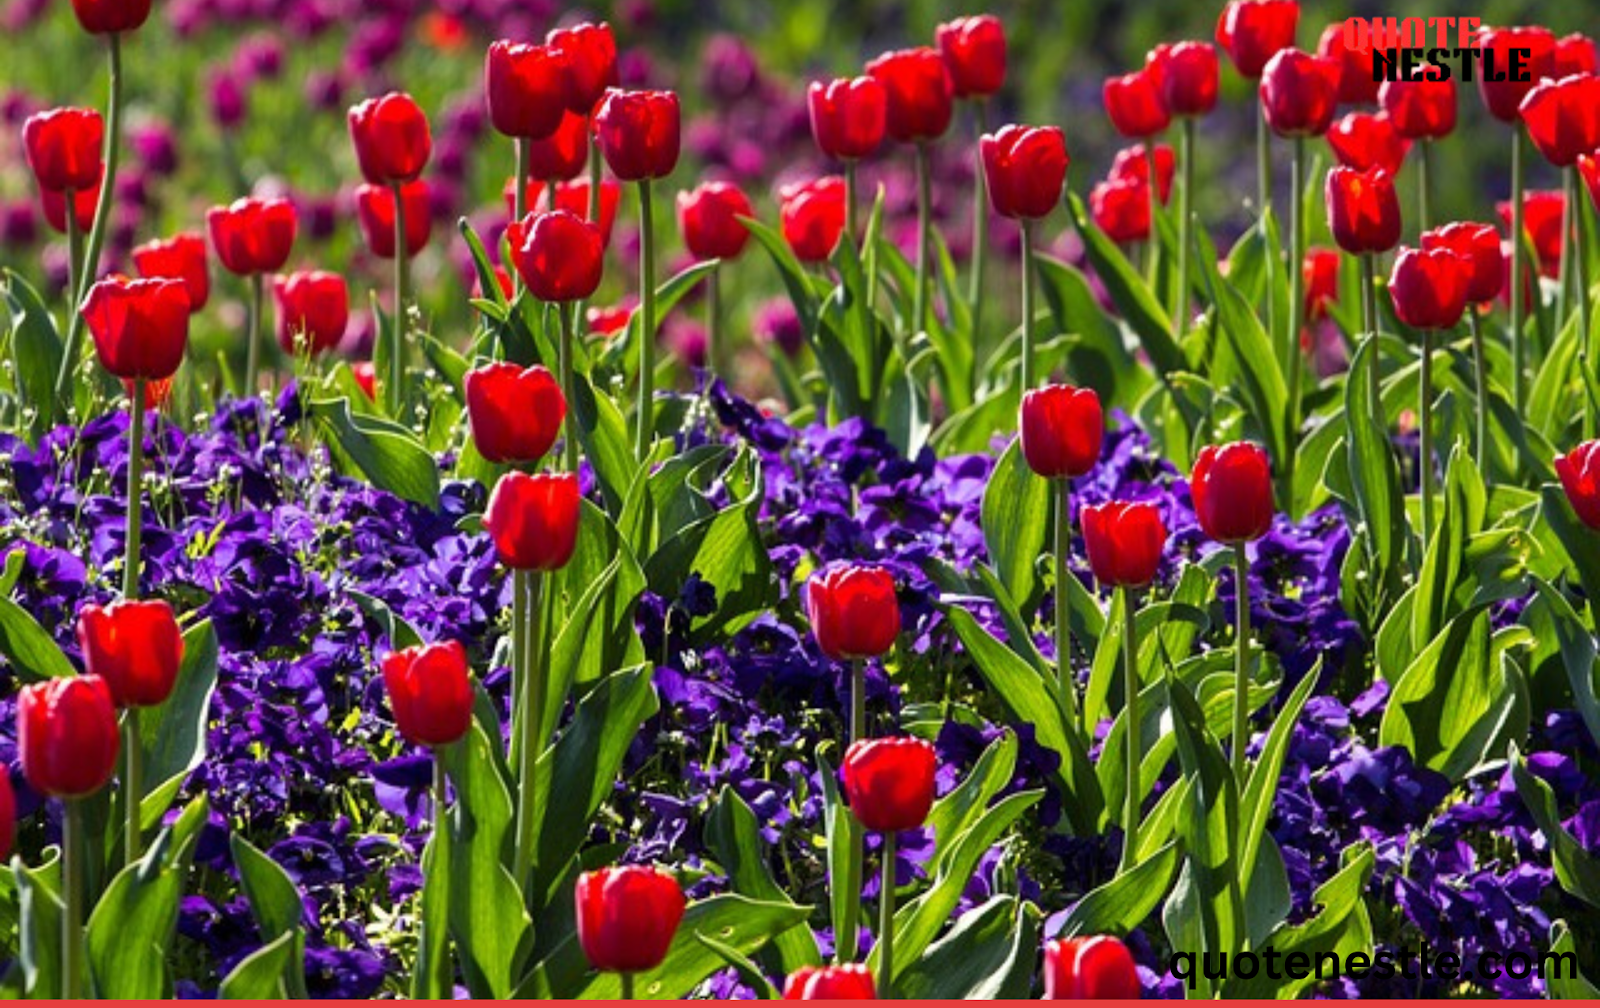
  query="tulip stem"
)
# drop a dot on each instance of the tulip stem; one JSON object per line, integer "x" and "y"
{"x": 402, "y": 299}
{"x": 1132, "y": 735}
{"x": 1264, "y": 201}
{"x": 627, "y": 986}
{"x": 1297, "y": 255}
{"x": 1185, "y": 226}
{"x": 1480, "y": 368}
{"x": 1069, "y": 698}
{"x": 1580, "y": 269}
{"x": 919, "y": 309}
{"x": 1518, "y": 363}
{"x": 980, "y": 236}
{"x": 886, "y": 887}
{"x": 133, "y": 785}
{"x": 532, "y": 745}
{"x": 72, "y": 898}
{"x": 519, "y": 651}
{"x": 102, "y": 222}
{"x": 1241, "y": 663}
{"x": 135, "y": 504}
{"x": 846, "y": 930}
{"x": 1424, "y": 149}
{"x": 647, "y": 323}
{"x": 1369, "y": 322}
{"x": 519, "y": 200}
{"x": 1027, "y": 306}
{"x": 1152, "y": 244}
{"x": 852, "y": 219}
{"x": 570, "y": 435}
{"x": 74, "y": 252}
{"x": 252, "y": 329}
{"x": 1425, "y": 421}
{"x": 713, "y": 319}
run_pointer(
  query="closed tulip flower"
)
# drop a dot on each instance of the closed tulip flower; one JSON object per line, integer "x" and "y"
{"x": 533, "y": 520}
{"x": 53, "y": 203}
{"x": 847, "y": 982}
{"x": 1579, "y": 470}
{"x": 889, "y": 782}
{"x": 430, "y": 693}
{"x": 1429, "y": 287}
{"x": 1025, "y": 169}
{"x": 854, "y": 611}
{"x": 1363, "y": 211}
{"x": 182, "y": 257}
{"x": 1420, "y": 109}
{"x": 974, "y": 51}
{"x": 563, "y": 154}
{"x": 1121, "y": 208}
{"x": 627, "y": 917}
{"x": 1503, "y": 97}
{"x": 1363, "y": 140}
{"x": 1187, "y": 75}
{"x": 1479, "y": 246}
{"x": 366, "y": 378}
{"x": 1251, "y": 32}
{"x": 1124, "y": 542}
{"x": 516, "y": 412}
{"x": 392, "y": 139}
{"x": 558, "y": 255}
{"x": 1062, "y": 430}
{"x": 638, "y": 133}
{"x": 848, "y": 116}
{"x": 1135, "y": 105}
{"x": 573, "y": 197}
{"x": 313, "y": 311}
{"x": 140, "y": 327}
{"x": 1356, "y": 86}
{"x": 1094, "y": 968}
{"x": 1320, "y": 272}
{"x": 710, "y": 218}
{"x": 252, "y": 235}
{"x": 813, "y": 217}
{"x": 1542, "y": 211}
{"x": 590, "y": 52}
{"x": 375, "y": 215}
{"x": 104, "y": 17}
{"x": 921, "y": 96}
{"x": 1299, "y": 93}
{"x": 1574, "y": 54}
{"x": 1232, "y": 491}
{"x": 136, "y": 647}
{"x": 526, "y": 87}
{"x": 67, "y": 735}
{"x": 63, "y": 148}
{"x": 1133, "y": 163}
{"x": 1563, "y": 118}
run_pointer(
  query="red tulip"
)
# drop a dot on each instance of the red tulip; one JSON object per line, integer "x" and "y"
{"x": 710, "y": 218}
{"x": 607, "y": 321}
{"x": 1251, "y": 32}
{"x": 1124, "y": 542}
{"x": 182, "y": 257}
{"x": 1121, "y": 208}
{"x": 8, "y": 814}
{"x": 140, "y": 327}
{"x": 104, "y": 17}
{"x": 391, "y": 137}
{"x": 1025, "y": 168}
{"x": 1420, "y": 109}
{"x": 848, "y": 982}
{"x": 889, "y": 782}
{"x": 1574, "y": 54}
{"x": 974, "y": 51}
{"x": 84, "y": 202}
{"x": 430, "y": 692}
{"x": 1363, "y": 140}
{"x": 1094, "y": 968}
{"x": 1579, "y": 470}
{"x": 1187, "y": 76}
{"x": 1528, "y": 274}
{"x": 1479, "y": 246}
{"x": 533, "y": 520}
{"x": 854, "y": 611}
{"x": 1356, "y": 86}
{"x": 848, "y": 116}
{"x": 1429, "y": 287}
{"x": 67, "y": 735}
{"x": 1363, "y": 211}
{"x": 1299, "y": 92}
{"x": 1232, "y": 491}
{"x": 1589, "y": 171}
{"x": 638, "y": 133}
{"x": 526, "y": 87}
{"x": 1563, "y": 118}
{"x": 252, "y": 235}
{"x": 921, "y": 96}
{"x": 813, "y": 217}
{"x": 63, "y": 147}
{"x": 375, "y": 215}
{"x": 313, "y": 311}
{"x": 1320, "y": 272}
{"x": 136, "y": 647}
{"x": 366, "y": 377}
{"x": 1542, "y": 210}
{"x": 558, "y": 255}
{"x": 1503, "y": 97}
{"x": 1133, "y": 163}
{"x": 591, "y": 57}
{"x": 563, "y": 154}
{"x": 1062, "y": 429}
{"x": 573, "y": 197}
{"x": 1135, "y": 105}
{"x": 516, "y": 412}
{"x": 627, "y": 917}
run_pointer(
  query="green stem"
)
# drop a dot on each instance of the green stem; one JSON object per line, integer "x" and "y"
{"x": 919, "y": 310}
{"x": 647, "y": 325}
{"x": 1131, "y": 737}
{"x": 519, "y": 673}
{"x": 570, "y": 423}
{"x": 1241, "y": 663}
{"x": 886, "y": 886}
{"x": 1152, "y": 245}
{"x": 1369, "y": 324}
{"x": 102, "y": 221}
{"x": 848, "y": 929}
{"x": 594, "y": 180}
{"x": 1424, "y": 150}
{"x": 980, "y": 236}
{"x": 713, "y": 319}
{"x": 74, "y": 254}
{"x": 1480, "y": 369}
{"x": 1425, "y": 420}
{"x": 72, "y": 867}
{"x": 851, "y": 214}
{"x": 1069, "y": 689}
{"x": 402, "y": 300}
{"x": 519, "y": 199}
{"x": 135, "y": 512}
{"x": 1264, "y": 207}
{"x": 1580, "y": 266}
{"x": 627, "y": 986}
{"x": 1518, "y": 361}
{"x": 1180, "y": 307}
{"x": 1027, "y": 305}
{"x": 132, "y": 786}
{"x": 1297, "y": 256}
{"x": 532, "y": 743}
{"x": 252, "y": 327}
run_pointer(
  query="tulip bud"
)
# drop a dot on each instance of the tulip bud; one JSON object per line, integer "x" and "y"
{"x": 920, "y": 95}
{"x": 136, "y": 647}
{"x": 627, "y": 917}
{"x": 182, "y": 257}
{"x": 1503, "y": 97}
{"x": 854, "y": 611}
{"x": 1421, "y": 109}
{"x": 1124, "y": 542}
{"x": 1095, "y": 968}
{"x": 710, "y": 218}
{"x": 848, "y": 116}
{"x": 1429, "y": 287}
{"x": 1574, "y": 54}
{"x": 638, "y": 132}
{"x": 974, "y": 51}
{"x": 889, "y": 782}
{"x": 366, "y": 378}
{"x": 1563, "y": 118}
{"x": 1232, "y": 491}
{"x": 67, "y": 735}
{"x": 563, "y": 154}
{"x": 1299, "y": 93}
{"x": 1132, "y": 163}
{"x": 1542, "y": 211}
{"x": 105, "y": 17}
{"x": 1363, "y": 140}
{"x": 1251, "y": 32}
{"x": 391, "y": 137}
{"x": 1363, "y": 210}
{"x": 533, "y": 520}
{"x": 848, "y": 982}
{"x": 813, "y": 216}
{"x": 430, "y": 692}
{"x": 1479, "y": 247}
{"x": 558, "y": 255}
{"x": 375, "y": 215}
{"x": 252, "y": 236}
{"x": 1121, "y": 208}
{"x": 515, "y": 412}
{"x": 1135, "y": 104}
{"x": 590, "y": 52}
{"x": 1062, "y": 429}
{"x": 313, "y": 311}
{"x": 63, "y": 148}
{"x": 1186, "y": 73}
{"x": 1320, "y": 275}
{"x": 140, "y": 327}
{"x": 1579, "y": 471}
{"x": 1025, "y": 168}
{"x": 526, "y": 86}
{"x": 1356, "y": 86}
